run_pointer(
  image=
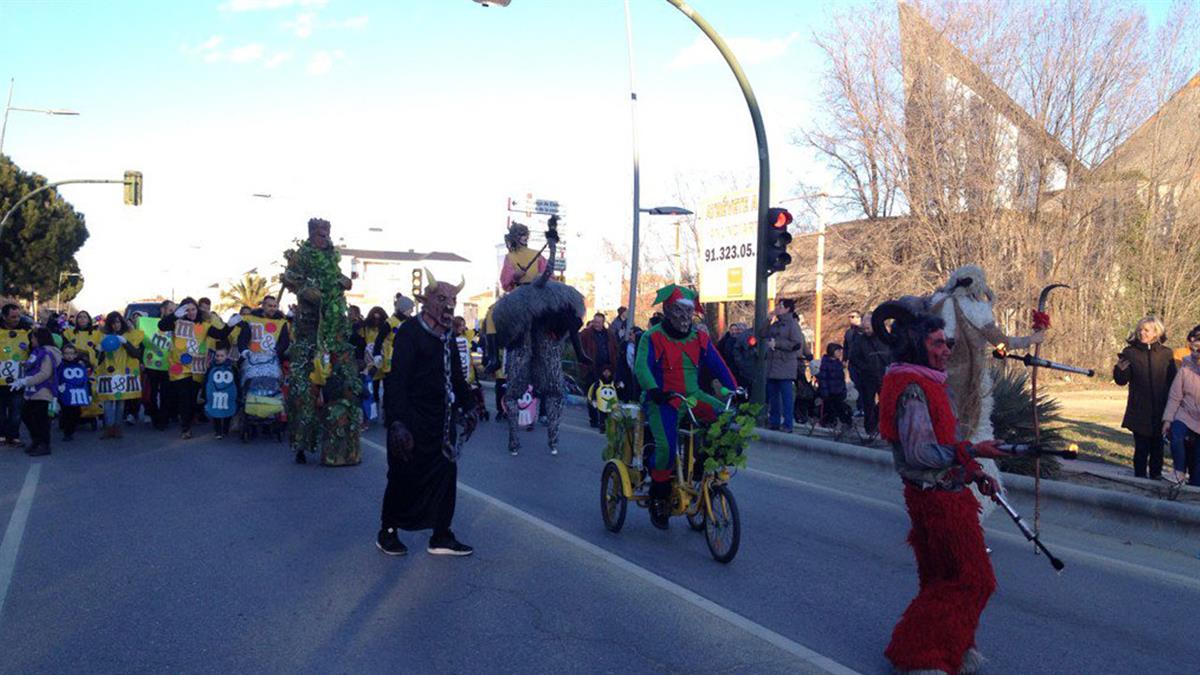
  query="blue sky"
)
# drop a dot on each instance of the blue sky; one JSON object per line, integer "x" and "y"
{"x": 415, "y": 116}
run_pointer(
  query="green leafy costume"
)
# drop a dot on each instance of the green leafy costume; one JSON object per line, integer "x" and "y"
{"x": 323, "y": 384}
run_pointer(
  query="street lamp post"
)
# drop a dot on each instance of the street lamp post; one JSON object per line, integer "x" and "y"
{"x": 764, "y": 194}
{"x": 764, "y": 182}
{"x": 8, "y": 107}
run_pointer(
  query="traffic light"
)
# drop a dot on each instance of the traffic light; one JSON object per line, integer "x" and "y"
{"x": 778, "y": 239}
{"x": 133, "y": 188}
{"x": 418, "y": 288}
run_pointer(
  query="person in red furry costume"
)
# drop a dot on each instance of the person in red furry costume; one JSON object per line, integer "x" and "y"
{"x": 936, "y": 634}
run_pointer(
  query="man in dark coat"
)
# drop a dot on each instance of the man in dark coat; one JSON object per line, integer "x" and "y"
{"x": 425, "y": 395}
{"x": 600, "y": 345}
{"x": 1148, "y": 367}
{"x": 870, "y": 356}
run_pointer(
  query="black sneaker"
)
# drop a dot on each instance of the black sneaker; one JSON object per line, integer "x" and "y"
{"x": 300, "y": 457}
{"x": 448, "y": 545}
{"x": 660, "y": 514}
{"x": 390, "y": 543}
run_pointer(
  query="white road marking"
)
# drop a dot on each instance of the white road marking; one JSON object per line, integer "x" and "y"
{"x": 1135, "y": 569}
{"x": 11, "y": 544}
{"x": 808, "y": 656}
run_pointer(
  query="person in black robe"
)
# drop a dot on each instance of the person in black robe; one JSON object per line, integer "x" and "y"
{"x": 426, "y": 397}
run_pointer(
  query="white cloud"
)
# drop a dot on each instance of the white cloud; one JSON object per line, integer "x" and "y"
{"x": 302, "y": 26}
{"x": 255, "y": 5}
{"x": 749, "y": 51}
{"x": 246, "y": 53}
{"x": 320, "y": 63}
{"x": 210, "y": 52}
{"x": 277, "y": 59}
{"x": 306, "y": 23}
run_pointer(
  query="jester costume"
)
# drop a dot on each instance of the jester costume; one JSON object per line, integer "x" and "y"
{"x": 323, "y": 385}
{"x": 937, "y": 631}
{"x": 669, "y": 358}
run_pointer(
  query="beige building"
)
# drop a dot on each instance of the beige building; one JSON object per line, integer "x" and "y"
{"x": 379, "y": 275}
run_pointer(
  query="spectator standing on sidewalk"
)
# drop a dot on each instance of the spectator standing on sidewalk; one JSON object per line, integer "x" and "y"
{"x": 831, "y": 383}
{"x": 1148, "y": 368}
{"x": 785, "y": 344}
{"x": 600, "y": 345}
{"x": 851, "y": 336}
{"x": 620, "y": 325}
{"x": 872, "y": 357}
{"x": 1181, "y": 419}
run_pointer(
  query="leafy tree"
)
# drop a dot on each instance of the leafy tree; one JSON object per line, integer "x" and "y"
{"x": 250, "y": 291}
{"x": 39, "y": 242}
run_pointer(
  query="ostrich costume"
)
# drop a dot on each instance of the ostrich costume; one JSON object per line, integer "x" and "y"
{"x": 532, "y": 323}
{"x": 965, "y": 304}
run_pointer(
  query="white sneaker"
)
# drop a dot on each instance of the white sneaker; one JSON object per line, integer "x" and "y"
{"x": 553, "y": 451}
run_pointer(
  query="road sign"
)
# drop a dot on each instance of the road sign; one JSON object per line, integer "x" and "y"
{"x": 727, "y": 226}
{"x": 527, "y": 204}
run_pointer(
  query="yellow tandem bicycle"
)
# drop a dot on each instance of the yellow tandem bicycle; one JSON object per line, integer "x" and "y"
{"x": 701, "y": 484}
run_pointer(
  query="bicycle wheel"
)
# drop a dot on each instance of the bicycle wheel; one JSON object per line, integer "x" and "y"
{"x": 696, "y": 519}
{"x": 723, "y": 532}
{"x": 612, "y": 498}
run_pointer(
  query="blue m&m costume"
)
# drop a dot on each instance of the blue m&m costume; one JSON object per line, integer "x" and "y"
{"x": 220, "y": 391}
{"x": 74, "y": 388}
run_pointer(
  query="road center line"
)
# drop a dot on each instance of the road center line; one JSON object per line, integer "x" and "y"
{"x": 11, "y": 544}
{"x": 808, "y": 656}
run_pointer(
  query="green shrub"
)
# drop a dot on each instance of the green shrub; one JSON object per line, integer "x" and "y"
{"x": 1012, "y": 420}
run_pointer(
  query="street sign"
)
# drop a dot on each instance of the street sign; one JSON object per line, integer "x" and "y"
{"x": 727, "y": 226}
{"x": 527, "y": 204}
{"x": 535, "y": 208}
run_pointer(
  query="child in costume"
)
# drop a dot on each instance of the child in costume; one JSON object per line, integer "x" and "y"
{"x": 220, "y": 391}
{"x": 603, "y": 395}
{"x": 74, "y": 388}
{"x": 669, "y": 358}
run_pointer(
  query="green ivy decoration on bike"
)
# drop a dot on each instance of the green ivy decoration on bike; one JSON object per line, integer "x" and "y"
{"x": 727, "y": 439}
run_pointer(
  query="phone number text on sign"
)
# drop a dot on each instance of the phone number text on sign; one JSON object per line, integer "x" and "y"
{"x": 734, "y": 252}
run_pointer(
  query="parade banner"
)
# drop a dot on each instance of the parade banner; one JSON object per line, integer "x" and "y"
{"x": 727, "y": 226}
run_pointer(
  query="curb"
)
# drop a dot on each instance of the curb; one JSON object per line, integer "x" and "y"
{"x": 1082, "y": 495}
{"x": 1118, "y": 503}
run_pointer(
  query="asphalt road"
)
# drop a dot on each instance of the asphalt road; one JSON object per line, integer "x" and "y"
{"x": 155, "y": 554}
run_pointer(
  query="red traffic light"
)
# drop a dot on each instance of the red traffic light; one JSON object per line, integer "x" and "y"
{"x": 779, "y": 218}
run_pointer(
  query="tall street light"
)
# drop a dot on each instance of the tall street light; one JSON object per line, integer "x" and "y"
{"x": 8, "y": 107}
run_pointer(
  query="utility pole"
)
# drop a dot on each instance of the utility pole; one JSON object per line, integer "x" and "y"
{"x": 759, "y": 395}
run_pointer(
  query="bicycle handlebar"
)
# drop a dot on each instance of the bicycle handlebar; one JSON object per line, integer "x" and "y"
{"x": 729, "y": 399}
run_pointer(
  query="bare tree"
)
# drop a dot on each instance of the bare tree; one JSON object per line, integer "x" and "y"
{"x": 1015, "y": 136}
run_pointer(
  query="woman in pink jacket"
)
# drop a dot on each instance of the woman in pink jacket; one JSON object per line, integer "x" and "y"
{"x": 1181, "y": 419}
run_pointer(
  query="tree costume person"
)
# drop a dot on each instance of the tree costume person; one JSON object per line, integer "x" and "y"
{"x": 669, "y": 358}
{"x": 323, "y": 384}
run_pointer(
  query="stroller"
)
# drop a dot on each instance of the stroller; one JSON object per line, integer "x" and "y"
{"x": 262, "y": 397}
